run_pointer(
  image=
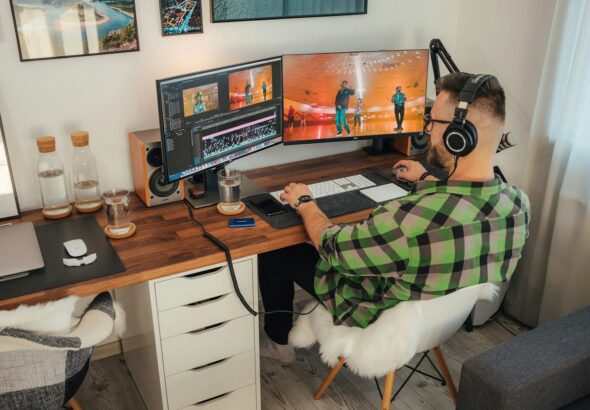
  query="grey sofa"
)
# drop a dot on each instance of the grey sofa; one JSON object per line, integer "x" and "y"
{"x": 545, "y": 368}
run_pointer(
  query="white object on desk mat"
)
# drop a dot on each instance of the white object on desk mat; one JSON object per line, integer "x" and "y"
{"x": 333, "y": 187}
{"x": 384, "y": 193}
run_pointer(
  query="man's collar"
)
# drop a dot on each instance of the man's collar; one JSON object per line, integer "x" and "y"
{"x": 485, "y": 188}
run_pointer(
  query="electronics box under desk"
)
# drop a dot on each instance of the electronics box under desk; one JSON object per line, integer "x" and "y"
{"x": 190, "y": 344}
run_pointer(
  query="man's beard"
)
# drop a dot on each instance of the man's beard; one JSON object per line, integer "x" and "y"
{"x": 437, "y": 156}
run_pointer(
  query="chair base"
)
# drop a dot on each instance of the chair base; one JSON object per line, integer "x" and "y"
{"x": 386, "y": 396}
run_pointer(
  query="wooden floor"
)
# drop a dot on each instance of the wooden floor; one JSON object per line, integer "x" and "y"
{"x": 109, "y": 386}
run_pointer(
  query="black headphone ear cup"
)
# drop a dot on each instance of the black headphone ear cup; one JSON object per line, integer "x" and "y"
{"x": 454, "y": 139}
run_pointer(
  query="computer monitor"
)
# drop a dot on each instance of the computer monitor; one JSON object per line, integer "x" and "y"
{"x": 212, "y": 117}
{"x": 354, "y": 95}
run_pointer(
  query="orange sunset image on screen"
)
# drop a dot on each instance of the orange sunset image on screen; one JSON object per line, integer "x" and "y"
{"x": 251, "y": 86}
{"x": 197, "y": 100}
{"x": 346, "y": 95}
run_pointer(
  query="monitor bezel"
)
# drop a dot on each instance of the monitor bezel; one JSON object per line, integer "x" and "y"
{"x": 209, "y": 72}
{"x": 363, "y": 137}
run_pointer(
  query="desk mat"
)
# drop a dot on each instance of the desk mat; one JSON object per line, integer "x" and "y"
{"x": 51, "y": 238}
{"x": 332, "y": 206}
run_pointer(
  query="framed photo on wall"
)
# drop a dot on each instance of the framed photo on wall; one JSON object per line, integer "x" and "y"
{"x": 241, "y": 10}
{"x": 181, "y": 17}
{"x": 72, "y": 28}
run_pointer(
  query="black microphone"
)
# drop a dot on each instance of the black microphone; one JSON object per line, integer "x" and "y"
{"x": 507, "y": 141}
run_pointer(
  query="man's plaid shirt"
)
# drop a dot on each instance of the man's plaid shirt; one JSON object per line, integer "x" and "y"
{"x": 442, "y": 236}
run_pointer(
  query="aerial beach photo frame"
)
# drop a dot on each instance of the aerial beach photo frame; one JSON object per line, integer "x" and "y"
{"x": 224, "y": 11}
{"x": 74, "y": 28}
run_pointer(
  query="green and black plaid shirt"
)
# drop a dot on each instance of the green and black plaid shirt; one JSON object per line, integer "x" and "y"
{"x": 442, "y": 236}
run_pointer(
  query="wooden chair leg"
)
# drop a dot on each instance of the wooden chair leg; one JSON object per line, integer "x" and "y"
{"x": 387, "y": 391}
{"x": 74, "y": 404}
{"x": 446, "y": 373}
{"x": 320, "y": 392}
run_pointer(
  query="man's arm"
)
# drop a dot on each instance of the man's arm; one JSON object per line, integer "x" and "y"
{"x": 314, "y": 220}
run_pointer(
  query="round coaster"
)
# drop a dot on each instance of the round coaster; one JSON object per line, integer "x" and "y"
{"x": 234, "y": 210}
{"x": 57, "y": 215}
{"x": 123, "y": 235}
{"x": 88, "y": 208}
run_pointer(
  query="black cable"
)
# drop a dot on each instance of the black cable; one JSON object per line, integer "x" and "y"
{"x": 455, "y": 168}
{"x": 230, "y": 264}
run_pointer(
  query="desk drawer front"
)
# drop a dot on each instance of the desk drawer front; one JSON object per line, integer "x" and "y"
{"x": 190, "y": 350}
{"x": 194, "y": 386}
{"x": 184, "y": 319}
{"x": 243, "y": 399}
{"x": 181, "y": 291}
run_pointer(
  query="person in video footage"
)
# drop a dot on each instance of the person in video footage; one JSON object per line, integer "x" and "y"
{"x": 264, "y": 90}
{"x": 399, "y": 101}
{"x": 464, "y": 230}
{"x": 199, "y": 104}
{"x": 358, "y": 112}
{"x": 247, "y": 93}
{"x": 291, "y": 117}
{"x": 342, "y": 99}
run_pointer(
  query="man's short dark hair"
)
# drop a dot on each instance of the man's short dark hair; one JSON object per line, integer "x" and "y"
{"x": 344, "y": 81}
{"x": 490, "y": 97}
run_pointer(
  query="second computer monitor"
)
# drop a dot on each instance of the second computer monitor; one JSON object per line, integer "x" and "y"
{"x": 344, "y": 96}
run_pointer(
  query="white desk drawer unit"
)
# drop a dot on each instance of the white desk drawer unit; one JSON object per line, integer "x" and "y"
{"x": 194, "y": 386}
{"x": 197, "y": 346}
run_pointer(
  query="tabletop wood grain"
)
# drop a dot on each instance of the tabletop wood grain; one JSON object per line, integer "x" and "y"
{"x": 168, "y": 242}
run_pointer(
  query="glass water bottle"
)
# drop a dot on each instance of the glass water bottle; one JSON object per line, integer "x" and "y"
{"x": 84, "y": 176}
{"x": 52, "y": 182}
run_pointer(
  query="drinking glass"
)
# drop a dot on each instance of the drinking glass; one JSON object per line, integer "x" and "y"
{"x": 229, "y": 181}
{"x": 118, "y": 210}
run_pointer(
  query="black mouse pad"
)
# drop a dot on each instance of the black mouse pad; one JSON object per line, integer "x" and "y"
{"x": 55, "y": 274}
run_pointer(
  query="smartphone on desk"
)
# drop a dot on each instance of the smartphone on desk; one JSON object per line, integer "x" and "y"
{"x": 241, "y": 222}
{"x": 268, "y": 205}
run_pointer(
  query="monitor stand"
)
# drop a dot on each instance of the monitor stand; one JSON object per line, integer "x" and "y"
{"x": 210, "y": 196}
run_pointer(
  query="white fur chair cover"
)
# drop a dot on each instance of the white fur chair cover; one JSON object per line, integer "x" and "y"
{"x": 385, "y": 345}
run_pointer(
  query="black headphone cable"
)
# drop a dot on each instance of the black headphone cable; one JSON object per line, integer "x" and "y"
{"x": 230, "y": 264}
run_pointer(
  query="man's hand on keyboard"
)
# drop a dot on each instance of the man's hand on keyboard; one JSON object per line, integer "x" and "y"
{"x": 414, "y": 170}
{"x": 292, "y": 192}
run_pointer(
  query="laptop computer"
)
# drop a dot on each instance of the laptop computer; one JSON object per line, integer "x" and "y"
{"x": 19, "y": 252}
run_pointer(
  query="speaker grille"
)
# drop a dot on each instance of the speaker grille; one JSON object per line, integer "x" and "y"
{"x": 158, "y": 184}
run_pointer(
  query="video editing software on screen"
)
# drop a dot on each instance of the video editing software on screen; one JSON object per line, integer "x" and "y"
{"x": 339, "y": 96}
{"x": 212, "y": 117}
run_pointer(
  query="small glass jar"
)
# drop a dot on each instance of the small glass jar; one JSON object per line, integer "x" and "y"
{"x": 87, "y": 193}
{"x": 52, "y": 181}
{"x": 118, "y": 212}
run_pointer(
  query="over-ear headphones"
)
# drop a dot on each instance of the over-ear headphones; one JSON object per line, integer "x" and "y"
{"x": 460, "y": 137}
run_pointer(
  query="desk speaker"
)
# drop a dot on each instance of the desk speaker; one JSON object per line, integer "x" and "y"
{"x": 413, "y": 145}
{"x": 148, "y": 175}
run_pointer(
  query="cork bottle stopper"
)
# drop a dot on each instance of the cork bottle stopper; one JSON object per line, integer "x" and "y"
{"x": 79, "y": 138}
{"x": 46, "y": 144}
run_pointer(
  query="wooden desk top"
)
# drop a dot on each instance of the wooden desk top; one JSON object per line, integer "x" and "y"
{"x": 167, "y": 242}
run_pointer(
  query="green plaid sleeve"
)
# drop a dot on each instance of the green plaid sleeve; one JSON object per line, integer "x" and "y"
{"x": 375, "y": 247}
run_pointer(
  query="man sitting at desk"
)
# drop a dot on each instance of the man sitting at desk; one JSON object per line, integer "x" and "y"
{"x": 444, "y": 235}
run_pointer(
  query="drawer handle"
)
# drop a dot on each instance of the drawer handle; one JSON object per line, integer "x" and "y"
{"x": 213, "y": 399}
{"x": 205, "y": 272}
{"x": 204, "y": 329}
{"x": 217, "y": 362}
{"x": 201, "y": 302}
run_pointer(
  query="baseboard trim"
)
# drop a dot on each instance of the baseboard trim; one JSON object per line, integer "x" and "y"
{"x": 106, "y": 350}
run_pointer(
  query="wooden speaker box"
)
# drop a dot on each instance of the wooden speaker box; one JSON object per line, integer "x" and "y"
{"x": 411, "y": 145}
{"x": 148, "y": 175}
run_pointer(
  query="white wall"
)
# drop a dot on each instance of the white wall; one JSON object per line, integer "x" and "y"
{"x": 111, "y": 95}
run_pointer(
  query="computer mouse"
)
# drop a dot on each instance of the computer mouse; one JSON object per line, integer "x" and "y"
{"x": 76, "y": 248}
{"x": 395, "y": 171}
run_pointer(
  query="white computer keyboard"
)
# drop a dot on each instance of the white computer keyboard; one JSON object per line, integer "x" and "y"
{"x": 333, "y": 187}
